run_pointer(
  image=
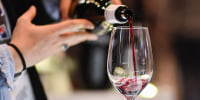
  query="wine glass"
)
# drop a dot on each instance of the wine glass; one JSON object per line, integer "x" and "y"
{"x": 130, "y": 60}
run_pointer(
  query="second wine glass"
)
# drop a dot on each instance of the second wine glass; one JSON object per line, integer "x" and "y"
{"x": 130, "y": 60}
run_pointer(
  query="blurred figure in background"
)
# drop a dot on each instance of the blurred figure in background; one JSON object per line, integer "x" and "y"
{"x": 185, "y": 25}
{"x": 175, "y": 37}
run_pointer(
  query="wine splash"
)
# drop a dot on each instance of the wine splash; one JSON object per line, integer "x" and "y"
{"x": 131, "y": 86}
{"x": 133, "y": 47}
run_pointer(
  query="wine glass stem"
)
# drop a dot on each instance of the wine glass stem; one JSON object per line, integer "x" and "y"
{"x": 130, "y": 98}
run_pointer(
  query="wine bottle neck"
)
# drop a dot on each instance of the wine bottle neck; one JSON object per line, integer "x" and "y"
{"x": 110, "y": 14}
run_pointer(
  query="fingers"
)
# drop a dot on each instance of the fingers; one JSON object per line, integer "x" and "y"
{"x": 84, "y": 35}
{"x": 77, "y": 37}
{"x": 29, "y": 14}
{"x": 64, "y": 8}
{"x": 71, "y": 26}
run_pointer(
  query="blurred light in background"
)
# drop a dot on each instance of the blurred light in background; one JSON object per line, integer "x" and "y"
{"x": 150, "y": 91}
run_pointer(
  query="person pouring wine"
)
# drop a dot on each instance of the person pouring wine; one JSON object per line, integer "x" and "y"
{"x": 20, "y": 54}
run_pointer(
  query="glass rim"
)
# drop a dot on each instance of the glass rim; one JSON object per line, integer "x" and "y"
{"x": 133, "y": 27}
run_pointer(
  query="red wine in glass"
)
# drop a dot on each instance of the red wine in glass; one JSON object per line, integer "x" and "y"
{"x": 130, "y": 86}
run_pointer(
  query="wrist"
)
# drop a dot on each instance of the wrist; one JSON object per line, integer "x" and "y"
{"x": 17, "y": 60}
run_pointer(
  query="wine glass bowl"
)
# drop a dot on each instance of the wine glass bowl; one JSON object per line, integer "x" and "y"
{"x": 130, "y": 60}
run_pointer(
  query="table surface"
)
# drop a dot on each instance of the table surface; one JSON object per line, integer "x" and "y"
{"x": 105, "y": 95}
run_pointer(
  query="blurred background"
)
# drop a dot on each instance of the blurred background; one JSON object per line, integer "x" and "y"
{"x": 80, "y": 72}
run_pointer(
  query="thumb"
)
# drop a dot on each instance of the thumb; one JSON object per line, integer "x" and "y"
{"x": 29, "y": 14}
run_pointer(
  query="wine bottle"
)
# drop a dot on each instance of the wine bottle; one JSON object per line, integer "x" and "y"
{"x": 103, "y": 14}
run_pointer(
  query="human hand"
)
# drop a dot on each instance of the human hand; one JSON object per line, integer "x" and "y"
{"x": 37, "y": 42}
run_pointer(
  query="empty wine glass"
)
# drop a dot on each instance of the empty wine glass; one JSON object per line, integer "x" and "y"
{"x": 130, "y": 60}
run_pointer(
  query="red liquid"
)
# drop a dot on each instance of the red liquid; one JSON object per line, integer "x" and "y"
{"x": 133, "y": 48}
{"x": 131, "y": 86}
